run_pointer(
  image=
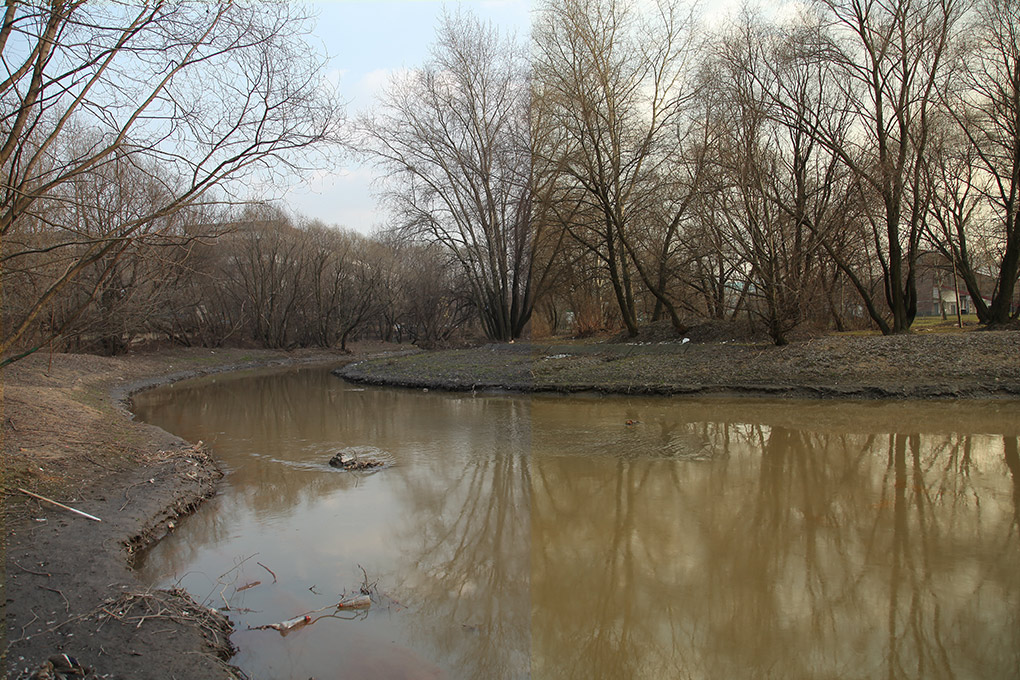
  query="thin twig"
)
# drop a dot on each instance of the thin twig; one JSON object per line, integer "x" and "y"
{"x": 29, "y": 571}
{"x": 236, "y": 566}
{"x": 35, "y": 617}
{"x": 48, "y": 630}
{"x": 267, "y": 569}
{"x": 67, "y": 605}
{"x": 97, "y": 463}
{"x": 366, "y": 587}
{"x": 352, "y": 617}
{"x": 127, "y": 499}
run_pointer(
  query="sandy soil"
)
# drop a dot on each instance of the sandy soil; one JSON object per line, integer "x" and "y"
{"x": 69, "y": 587}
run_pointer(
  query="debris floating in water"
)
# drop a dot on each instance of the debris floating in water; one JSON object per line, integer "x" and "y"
{"x": 290, "y": 624}
{"x": 359, "y": 602}
{"x": 357, "y": 458}
{"x": 352, "y": 463}
{"x": 286, "y": 626}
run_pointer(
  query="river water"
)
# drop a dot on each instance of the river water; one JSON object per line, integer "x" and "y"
{"x": 599, "y": 537}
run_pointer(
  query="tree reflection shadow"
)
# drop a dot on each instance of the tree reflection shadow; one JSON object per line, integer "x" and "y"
{"x": 552, "y": 538}
{"x": 467, "y": 526}
{"x": 801, "y": 555}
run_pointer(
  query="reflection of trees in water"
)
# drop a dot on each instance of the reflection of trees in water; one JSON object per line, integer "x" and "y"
{"x": 600, "y": 613}
{"x": 267, "y": 416}
{"x": 468, "y": 531}
{"x": 945, "y": 543}
{"x": 801, "y": 555}
{"x": 291, "y": 421}
{"x": 292, "y": 434}
{"x": 467, "y": 501}
{"x": 1011, "y": 451}
{"x": 690, "y": 548}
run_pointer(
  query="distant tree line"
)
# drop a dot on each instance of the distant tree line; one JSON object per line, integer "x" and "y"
{"x": 624, "y": 164}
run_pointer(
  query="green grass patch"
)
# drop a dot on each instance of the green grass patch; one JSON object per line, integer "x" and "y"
{"x": 926, "y": 322}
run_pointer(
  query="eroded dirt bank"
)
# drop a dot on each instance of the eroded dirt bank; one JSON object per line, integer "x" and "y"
{"x": 946, "y": 365}
{"x": 68, "y": 584}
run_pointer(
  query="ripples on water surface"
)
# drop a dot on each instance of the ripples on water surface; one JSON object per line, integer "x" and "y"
{"x": 546, "y": 537}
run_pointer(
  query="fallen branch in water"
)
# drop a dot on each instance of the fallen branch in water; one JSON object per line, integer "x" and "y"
{"x": 236, "y": 565}
{"x": 59, "y": 505}
{"x": 366, "y": 587}
{"x": 286, "y": 626}
{"x": 290, "y": 625}
{"x": 267, "y": 569}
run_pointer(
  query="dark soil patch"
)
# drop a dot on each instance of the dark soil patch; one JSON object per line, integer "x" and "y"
{"x": 69, "y": 584}
{"x": 931, "y": 365}
{"x": 1011, "y": 325}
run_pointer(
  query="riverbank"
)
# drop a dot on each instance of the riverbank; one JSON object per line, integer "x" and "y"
{"x": 69, "y": 587}
{"x": 977, "y": 364}
{"x": 67, "y": 435}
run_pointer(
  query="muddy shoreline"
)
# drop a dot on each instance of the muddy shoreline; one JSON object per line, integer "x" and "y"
{"x": 67, "y": 434}
{"x": 974, "y": 365}
{"x": 69, "y": 587}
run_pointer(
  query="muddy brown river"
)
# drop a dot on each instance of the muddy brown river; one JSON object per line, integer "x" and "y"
{"x": 599, "y": 537}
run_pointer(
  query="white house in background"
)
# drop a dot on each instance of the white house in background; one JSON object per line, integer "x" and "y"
{"x": 937, "y": 292}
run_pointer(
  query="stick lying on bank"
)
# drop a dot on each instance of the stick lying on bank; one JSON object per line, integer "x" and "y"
{"x": 59, "y": 505}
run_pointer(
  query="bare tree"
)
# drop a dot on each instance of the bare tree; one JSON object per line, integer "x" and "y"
{"x": 205, "y": 92}
{"x": 987, "y": 107}
{"x": 885, "y": 61}
{"x": 454, "y": 134}
{"x": 435, "y": 306}
{"x": 266, "y": 272}
{"x": 614, "y": 82}
{"x": 781, "y": 188}
{"x": 342, "y": 279}
{"x": 957, "y": 187}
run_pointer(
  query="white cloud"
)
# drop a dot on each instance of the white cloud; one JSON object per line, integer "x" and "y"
{"x": 341, "y": 197}
{"x": 373, "y": 83}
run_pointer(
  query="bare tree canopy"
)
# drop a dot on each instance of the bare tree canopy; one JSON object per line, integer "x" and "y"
{"x": 613, "y": 80}
{"x": 885, "y": 61}
{"x": 190, "y": 94}
{"x": 986, "y": 106}
{"x": 454, "y": 134}
{"x": 850, "y": 165}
